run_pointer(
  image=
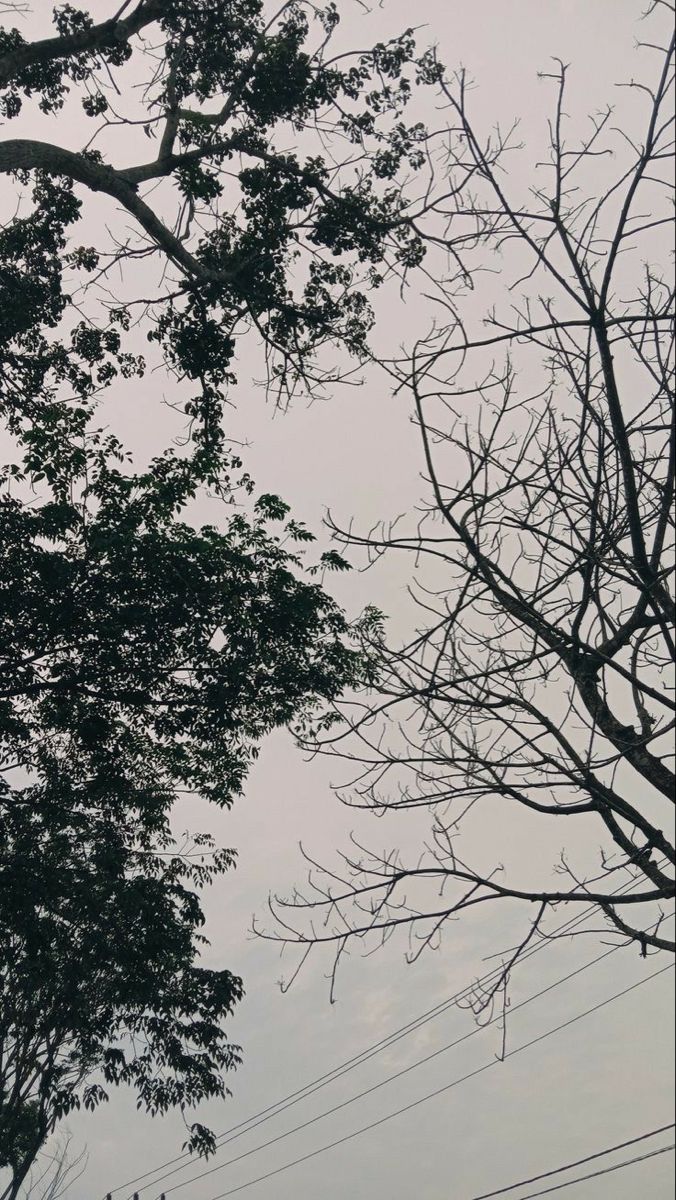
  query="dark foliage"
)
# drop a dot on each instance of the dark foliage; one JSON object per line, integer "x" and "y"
{"x": 142, "y": 657}
{"x": 282, "y": 243}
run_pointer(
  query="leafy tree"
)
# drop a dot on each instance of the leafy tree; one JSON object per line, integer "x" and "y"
{"x": 142, "y": 656}
{"x": 108, "y": 608}
{"x": 285, "y": 243}
{"x": 536, "y": 696}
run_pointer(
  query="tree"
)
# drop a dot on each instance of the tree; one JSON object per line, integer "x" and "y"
{"x": 142, "y": 658}
{"x": 284, "y": 243}
{"x": 143, "y": 655}
{"x": 56, "y": 1171}
{"x": 537, "y": 685}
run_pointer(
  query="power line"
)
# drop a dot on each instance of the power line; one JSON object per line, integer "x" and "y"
{"x": 381, "y": 1083}
{"x": 628, "y": 1162}
{"x": 375, "y": 1087}
{"x": 439, "y": 1091}
{"x": 569, "y": 1166}
{"x": 293, "y": 1098}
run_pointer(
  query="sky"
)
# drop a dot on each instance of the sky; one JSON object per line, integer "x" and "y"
{"x": 601, "y": 1080}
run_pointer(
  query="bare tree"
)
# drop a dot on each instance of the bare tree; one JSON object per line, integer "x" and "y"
{"x": 56, "y": 1169}
{"x": 538, "y": 680}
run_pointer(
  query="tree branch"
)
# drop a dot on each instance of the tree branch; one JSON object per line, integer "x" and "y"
{"x": 105, "y": 35}
{"x": 26, "y": 155}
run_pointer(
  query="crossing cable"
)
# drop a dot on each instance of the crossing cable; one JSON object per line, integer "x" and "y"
{"x": 308, "y": 1089}
{"x": 430, "y": 1095}
{"x": 628, "y": 1162}
{"x": 382, "y": 1082}
{"x": 580, "y": 1162}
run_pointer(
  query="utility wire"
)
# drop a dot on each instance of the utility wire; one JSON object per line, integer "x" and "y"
{"x": 438, "y": 1091}
{"x": 580, "y": 1162}
{"x": 628, "y": 1162}
{"x": 368, "y": 1091}
{"x": 308, "y": 1089}
{"x": 381, "y": 1083}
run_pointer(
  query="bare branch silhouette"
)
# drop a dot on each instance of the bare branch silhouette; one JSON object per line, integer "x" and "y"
{"x": 538, "y": 683}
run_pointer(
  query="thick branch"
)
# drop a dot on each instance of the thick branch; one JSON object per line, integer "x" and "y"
{"x": 26, "y": 155}
{"x": 103, "y": 36}
{"x": 649, "y": 577}
{"x": 623, "y": 737}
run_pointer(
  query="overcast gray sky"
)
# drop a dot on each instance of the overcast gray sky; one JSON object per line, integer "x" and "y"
{"x": 603, "y": 1079}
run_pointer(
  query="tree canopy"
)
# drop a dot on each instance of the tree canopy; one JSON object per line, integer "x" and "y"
{"x": 247, "y": 233}
{"x": 142, "y": 658}
{"x": 145, "y": 654}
